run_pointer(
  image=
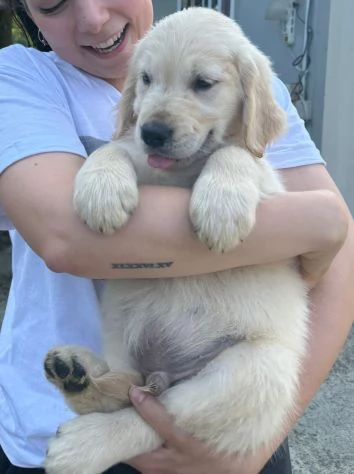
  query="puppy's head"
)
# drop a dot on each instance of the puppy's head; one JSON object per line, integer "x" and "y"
{"x": 196, "y": 83}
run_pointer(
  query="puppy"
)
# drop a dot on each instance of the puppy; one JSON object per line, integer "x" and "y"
{"x": 222, "y": 351}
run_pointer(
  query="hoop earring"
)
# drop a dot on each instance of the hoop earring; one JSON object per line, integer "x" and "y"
{"x": 41, "y": 38}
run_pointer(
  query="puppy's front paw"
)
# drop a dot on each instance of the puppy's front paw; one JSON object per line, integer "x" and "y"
{"x": 106, "y": 195}
{"x": 221, "y": 216}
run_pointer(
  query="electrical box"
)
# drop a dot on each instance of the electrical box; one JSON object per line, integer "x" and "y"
{"x": 289, "y": 25}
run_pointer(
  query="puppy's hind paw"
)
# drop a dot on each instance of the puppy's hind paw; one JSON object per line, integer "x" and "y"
{"x": 75, "y": 448}
{"x": 66, "y": 373}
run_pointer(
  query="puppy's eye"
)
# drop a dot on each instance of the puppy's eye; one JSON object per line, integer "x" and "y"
{"x": 200, "y": 84}
{"x": 146, "y": 78}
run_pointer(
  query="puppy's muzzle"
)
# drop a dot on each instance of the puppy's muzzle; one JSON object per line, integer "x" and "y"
{"x": 156, "y": 134}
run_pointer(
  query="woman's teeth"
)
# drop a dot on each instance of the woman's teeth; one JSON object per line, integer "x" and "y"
{"x": 112, "y": 43}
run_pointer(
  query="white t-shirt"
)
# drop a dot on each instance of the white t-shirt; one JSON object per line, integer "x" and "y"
{"x": 48, "y": 105}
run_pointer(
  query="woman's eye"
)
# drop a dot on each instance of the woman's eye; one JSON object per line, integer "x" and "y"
{"x": 201, "y": 84}
{"x": 53, "y": 9}
{"x": 146, "y": 78}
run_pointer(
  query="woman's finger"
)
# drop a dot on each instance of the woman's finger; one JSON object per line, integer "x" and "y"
{"x": 154, "y": 413}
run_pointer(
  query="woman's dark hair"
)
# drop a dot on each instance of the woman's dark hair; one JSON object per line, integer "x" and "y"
{"x": 23, "y": 20}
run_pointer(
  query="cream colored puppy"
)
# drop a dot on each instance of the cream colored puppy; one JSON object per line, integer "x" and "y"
{"x": 222, "y": 351}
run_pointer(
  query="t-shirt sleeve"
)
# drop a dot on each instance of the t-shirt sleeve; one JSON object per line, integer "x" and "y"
{"x": 34, "y": 113}
{"x": 295, "y": 147}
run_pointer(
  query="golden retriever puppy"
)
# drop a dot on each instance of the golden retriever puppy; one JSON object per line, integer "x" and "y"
{"x": 222, "y": 351}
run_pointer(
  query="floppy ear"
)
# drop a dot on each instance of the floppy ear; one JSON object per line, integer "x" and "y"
{"x": 263, "y": 119}
{"x": 126, "y": 117}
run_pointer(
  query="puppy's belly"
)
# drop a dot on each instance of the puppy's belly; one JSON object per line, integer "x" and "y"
{"x": 177, "y": 326}
{"x": 177, "y": 360}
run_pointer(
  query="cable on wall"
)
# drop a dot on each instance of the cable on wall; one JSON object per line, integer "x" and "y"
{"x": 302, "y": 63}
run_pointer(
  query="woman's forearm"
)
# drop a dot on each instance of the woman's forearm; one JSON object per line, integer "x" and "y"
{"x": 158, "y": 241}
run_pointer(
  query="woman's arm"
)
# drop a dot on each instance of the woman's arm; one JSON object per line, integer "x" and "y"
{"x": 37, "y": 195}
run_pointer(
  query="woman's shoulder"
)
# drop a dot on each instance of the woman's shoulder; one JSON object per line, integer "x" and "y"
{"x": 18, "y": 60}
{"x": 17, "y": 55}
{"x": 19, "y": 63}
{"x": 281, "y": 93}
{"x": 44, "y": 69}
{"x": 28, "y": 70}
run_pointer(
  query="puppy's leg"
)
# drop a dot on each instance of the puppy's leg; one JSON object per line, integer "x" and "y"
{"x": 86, "y": 381}
{"x": 106, "y": 192}
{"x": 237, "y": 403}
{"x": 225, "y": 198}
{"x": 241, "y": 400}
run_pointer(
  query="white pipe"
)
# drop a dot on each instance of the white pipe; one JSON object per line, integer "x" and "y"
{"x": 233, "y": 9}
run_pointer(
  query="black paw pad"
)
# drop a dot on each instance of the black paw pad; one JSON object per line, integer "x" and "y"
{"x": 61, "y": 368}
{"x": 68, "y": 374}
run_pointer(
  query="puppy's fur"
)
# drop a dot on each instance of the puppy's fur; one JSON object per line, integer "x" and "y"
{"x": 222, "y": 351}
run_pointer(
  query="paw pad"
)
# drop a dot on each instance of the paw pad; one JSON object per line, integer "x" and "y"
{"x": 68, "y": 374}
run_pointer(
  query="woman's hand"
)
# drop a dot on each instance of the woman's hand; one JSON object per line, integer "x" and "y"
{"x": 182, "y": 453}
{"x": 313, "y": 265}
{"x": 329, "y": 222}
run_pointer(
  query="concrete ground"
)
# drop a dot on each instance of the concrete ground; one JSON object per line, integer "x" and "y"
{"x": 323, "y": 440}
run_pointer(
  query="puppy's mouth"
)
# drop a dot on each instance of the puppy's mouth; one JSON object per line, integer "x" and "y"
{"x": 162, "y": 161}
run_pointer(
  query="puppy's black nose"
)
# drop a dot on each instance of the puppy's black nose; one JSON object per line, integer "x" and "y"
{"x": 156, "y": 134}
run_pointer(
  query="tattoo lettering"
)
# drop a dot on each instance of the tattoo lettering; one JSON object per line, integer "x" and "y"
{"x": 139, "y": 266}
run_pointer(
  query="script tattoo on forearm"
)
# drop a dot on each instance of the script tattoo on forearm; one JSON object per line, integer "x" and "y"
{"x": 141, "y": 266}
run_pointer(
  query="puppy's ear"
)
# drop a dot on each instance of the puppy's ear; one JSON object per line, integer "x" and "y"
{"x": 263, "y": 119}
{"x": 126, "y": 117}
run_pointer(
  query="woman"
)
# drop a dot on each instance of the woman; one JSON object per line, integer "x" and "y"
{"x": 57, "y": 107}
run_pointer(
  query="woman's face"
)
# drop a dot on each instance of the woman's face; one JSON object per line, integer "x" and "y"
{"x": 94, "y": 35}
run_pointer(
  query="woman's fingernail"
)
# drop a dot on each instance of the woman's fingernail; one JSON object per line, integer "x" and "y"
{"x": 136, "y": 395}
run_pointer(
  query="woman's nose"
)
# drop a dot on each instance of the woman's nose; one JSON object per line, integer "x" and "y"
{"x": 91, "y": 15}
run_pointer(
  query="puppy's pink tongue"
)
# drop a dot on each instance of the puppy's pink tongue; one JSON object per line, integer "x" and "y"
{"x": 157, "y": 161}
